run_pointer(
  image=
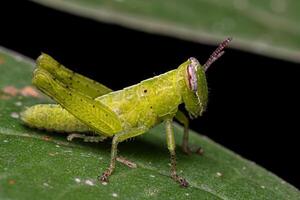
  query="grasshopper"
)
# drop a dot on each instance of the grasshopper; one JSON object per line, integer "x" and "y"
{"x": 85, "y": 105}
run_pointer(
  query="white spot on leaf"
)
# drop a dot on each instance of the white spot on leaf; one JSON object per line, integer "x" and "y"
{"x": 46, "y": 184}
{"x": 77, "y": 180}
{"x": 114, "y": 194}
{"x": 104, "y": 183}
{"x": 219, "y": 174}
{"x": 89, "y": 182}
{"x": 18, "y": 103}
{"x": 14, "y": 115}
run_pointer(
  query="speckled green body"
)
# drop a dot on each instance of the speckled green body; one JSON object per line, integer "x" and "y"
{"x": 144, "y": 104}
{"x": 121, "y": 114}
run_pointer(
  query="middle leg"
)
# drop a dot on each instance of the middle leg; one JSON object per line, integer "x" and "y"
{"x": 180, "y": 116}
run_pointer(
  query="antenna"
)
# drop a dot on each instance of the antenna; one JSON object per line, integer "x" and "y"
{"x": 217, "y": 53}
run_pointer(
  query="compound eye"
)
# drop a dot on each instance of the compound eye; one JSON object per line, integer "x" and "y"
{"x": 192, "y": 78}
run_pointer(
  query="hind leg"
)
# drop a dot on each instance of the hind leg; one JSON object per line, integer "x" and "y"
{"x": 114, "y": 148}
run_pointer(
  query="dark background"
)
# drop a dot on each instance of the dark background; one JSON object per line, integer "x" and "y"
{"x": 253, "y": 100}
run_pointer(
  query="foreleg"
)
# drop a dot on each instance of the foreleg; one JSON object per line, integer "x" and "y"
{"x": 171, "y": 147}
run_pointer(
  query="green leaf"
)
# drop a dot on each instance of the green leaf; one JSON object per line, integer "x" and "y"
{"x": 44, "y": 165}
{"x": 264, "y": 27}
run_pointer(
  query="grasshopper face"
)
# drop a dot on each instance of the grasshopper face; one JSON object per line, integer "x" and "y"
{"x": 195, "y": 97}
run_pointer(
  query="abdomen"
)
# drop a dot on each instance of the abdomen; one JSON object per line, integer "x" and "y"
{"x": 52, "y": 117}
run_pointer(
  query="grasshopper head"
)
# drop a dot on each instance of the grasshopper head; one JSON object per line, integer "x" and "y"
{"x": 196, "y": 93}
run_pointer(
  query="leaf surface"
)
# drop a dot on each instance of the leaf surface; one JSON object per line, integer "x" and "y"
{"x": 264, "y": 27}
{"x": 44, "y": 165}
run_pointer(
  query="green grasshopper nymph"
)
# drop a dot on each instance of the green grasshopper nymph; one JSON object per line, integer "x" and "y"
{"x": 87, "y": 106}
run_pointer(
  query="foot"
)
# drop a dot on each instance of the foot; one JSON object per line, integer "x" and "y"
{"x": 187, "y": 150}
{"x": 182, "y": 181}
{"x": 104, "y": 176}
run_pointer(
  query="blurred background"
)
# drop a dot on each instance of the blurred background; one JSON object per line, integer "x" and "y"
{"x": 253, "y": 89}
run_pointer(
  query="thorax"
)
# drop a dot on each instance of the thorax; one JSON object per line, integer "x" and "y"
{"x": 146, "y": 103}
